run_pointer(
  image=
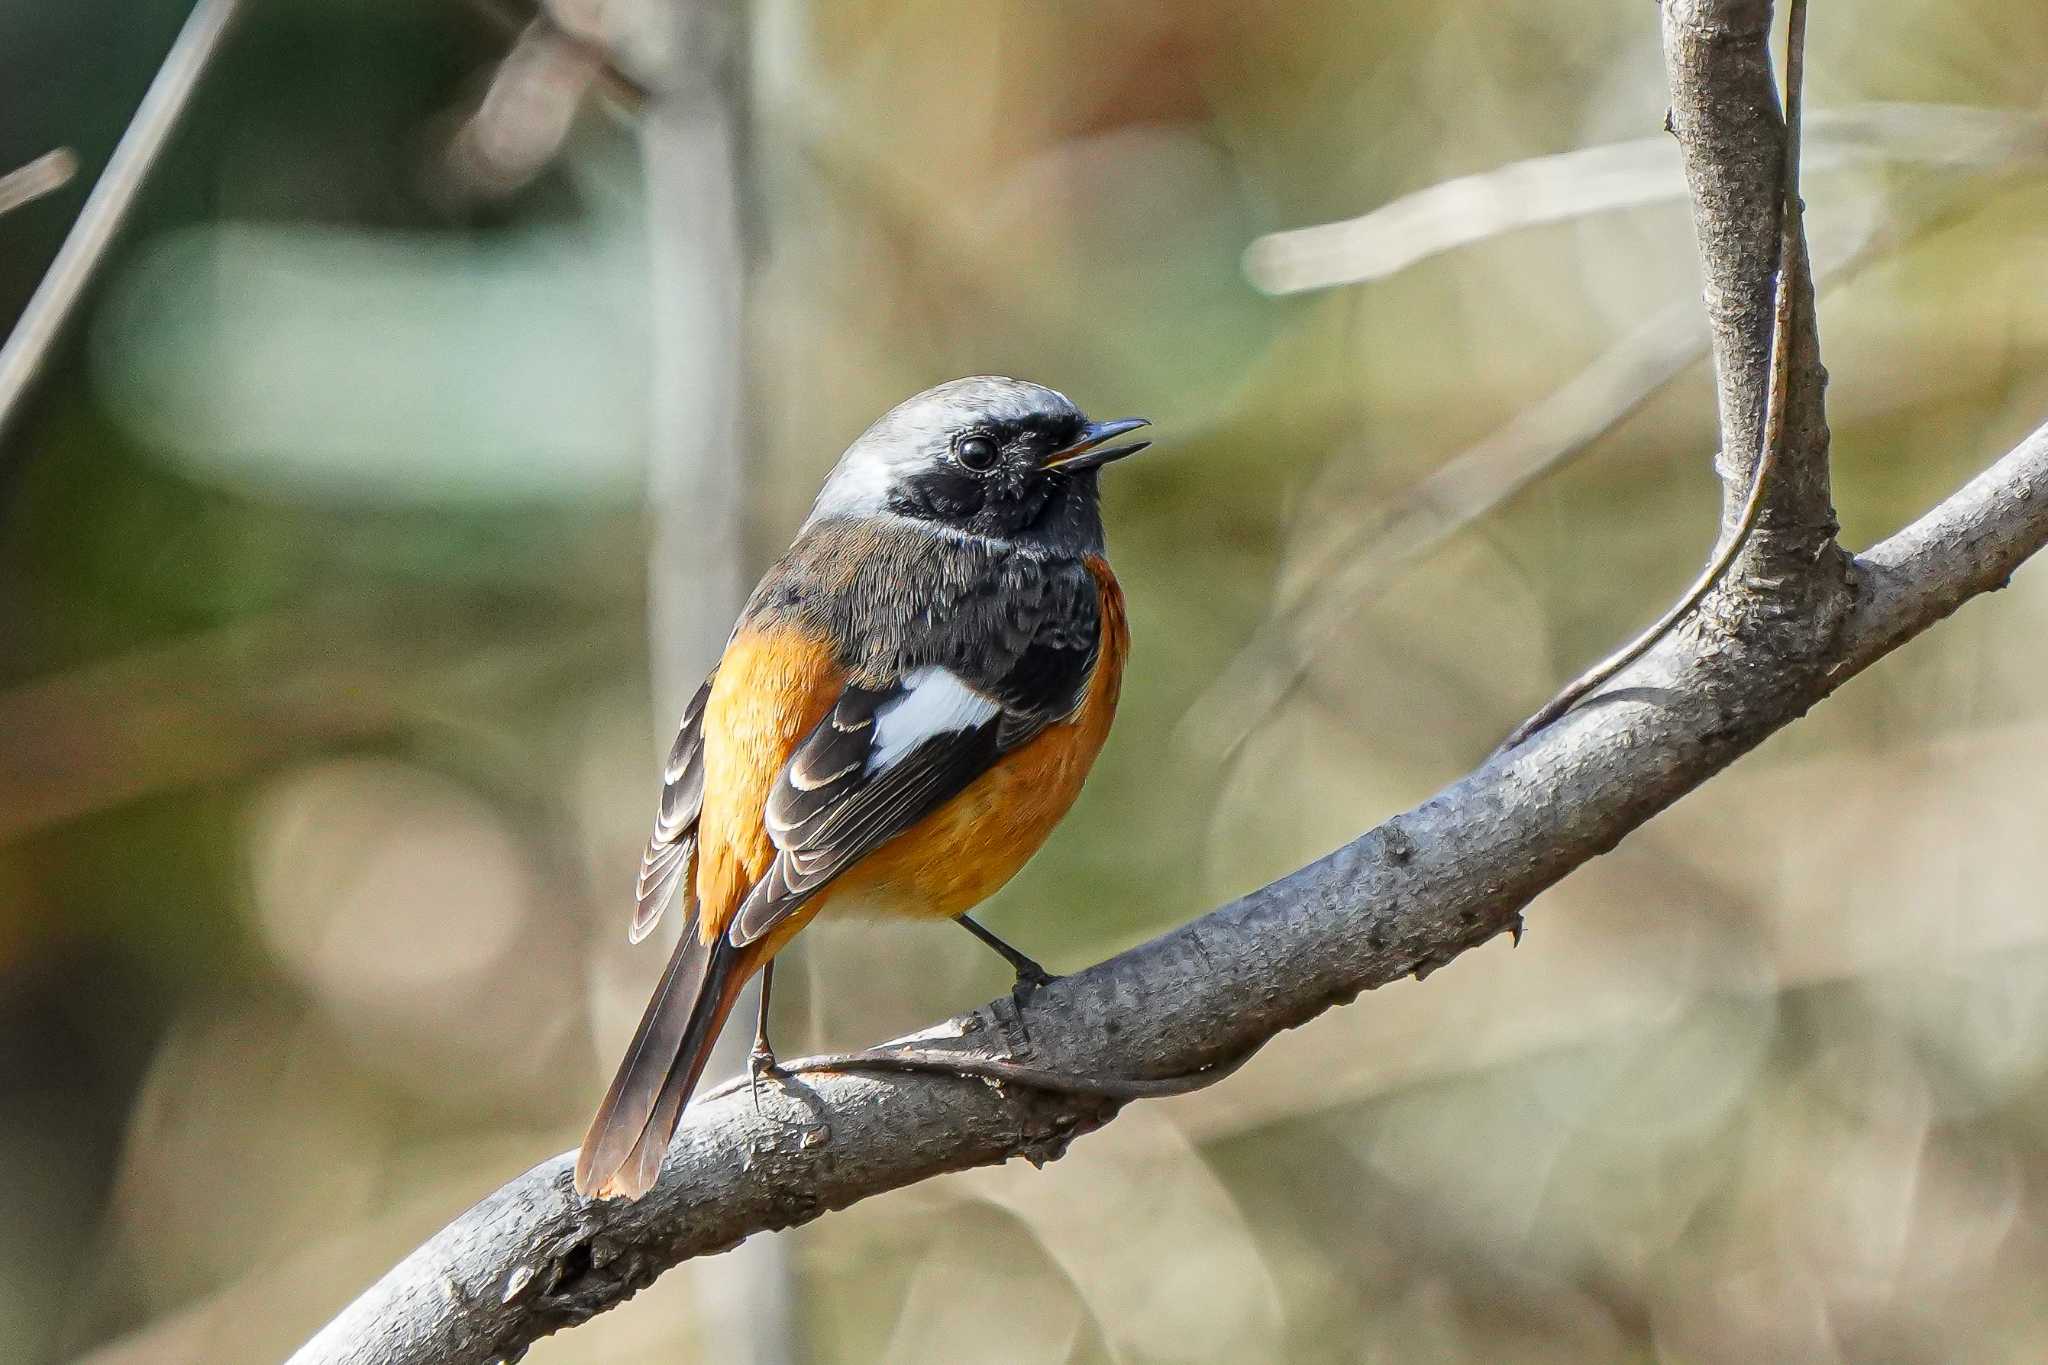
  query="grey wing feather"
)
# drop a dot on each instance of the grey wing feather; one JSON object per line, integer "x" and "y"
{"x": 1028, "y": 645}
{"x": 828, "y": 811}
{"x": 671, "y": 857}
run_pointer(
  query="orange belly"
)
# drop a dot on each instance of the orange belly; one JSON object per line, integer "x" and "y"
{"x": 947, "y": 863}
{"x": 963, "y": 852}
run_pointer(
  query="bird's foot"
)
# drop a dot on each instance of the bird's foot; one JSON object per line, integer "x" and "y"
{"x": 760, "y": 1062}
{"x": 1030, "y": 978}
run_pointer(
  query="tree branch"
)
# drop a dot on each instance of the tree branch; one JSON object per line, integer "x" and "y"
{"x": 1793, "y": 621}
{"x": 1635, "y": 174}
{"x": 1366, "y": 560}
{"x": 1731, "y": 137}
{"x": 1793, "y": 347}
{"x": 1970, "y": 544}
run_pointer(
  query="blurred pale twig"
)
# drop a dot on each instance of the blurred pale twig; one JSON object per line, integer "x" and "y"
{"x": 1620, "y": 175}
{"x": 525, "y": 115}
{"x": 697, "y": 462}
{"x": 1534, "y": 443}
{"x": 48, "y": 173}
{"x": 1484, "y": 476}
{"x": 519, "y": 23}
{"x": 106, "y": 208}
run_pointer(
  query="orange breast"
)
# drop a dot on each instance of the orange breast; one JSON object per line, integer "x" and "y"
{"x": 963, "y": 852}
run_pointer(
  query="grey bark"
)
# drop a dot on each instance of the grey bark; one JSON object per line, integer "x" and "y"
{"x": 1731, "y": 137}
{"x": 1796, "y": 619}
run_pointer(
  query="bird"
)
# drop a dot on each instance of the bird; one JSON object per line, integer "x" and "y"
{"x": 909, "y": 703}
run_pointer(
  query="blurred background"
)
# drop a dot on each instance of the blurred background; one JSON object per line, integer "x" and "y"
{"x": 460, "y": 366}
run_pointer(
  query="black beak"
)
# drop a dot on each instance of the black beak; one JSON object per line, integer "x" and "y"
{"x": 1088, "y": 452}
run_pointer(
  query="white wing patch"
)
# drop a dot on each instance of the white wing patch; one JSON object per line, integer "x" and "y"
{"x": 935, "y": 702}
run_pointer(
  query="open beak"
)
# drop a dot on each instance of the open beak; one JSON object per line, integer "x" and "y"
{"x": 1090, "y": 453}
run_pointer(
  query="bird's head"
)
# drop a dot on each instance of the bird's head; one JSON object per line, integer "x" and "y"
{"x": 986, "y": 456}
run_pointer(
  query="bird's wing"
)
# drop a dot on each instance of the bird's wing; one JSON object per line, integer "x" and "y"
{"x": 886, "y": 757}
{"x": 672, "y": 849}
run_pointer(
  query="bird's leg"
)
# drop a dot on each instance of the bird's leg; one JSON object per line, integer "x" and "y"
{"x": 761, "y": 1058}
{"x": 1030, "y": 976}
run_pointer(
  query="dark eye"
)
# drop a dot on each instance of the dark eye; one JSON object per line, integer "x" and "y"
{"x": 976, "y": 452}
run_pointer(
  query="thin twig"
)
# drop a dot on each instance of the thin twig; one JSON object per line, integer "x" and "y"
{"x": 48, "y": 173}
{"x": 1772, "y": 439}
{"x": 1534, "y": 444}
{"x": 626, "y": 97}
{"x": 107, "y": 207}
{"x": 1567, "y": 186}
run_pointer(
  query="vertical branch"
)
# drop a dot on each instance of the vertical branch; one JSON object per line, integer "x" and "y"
{"x": 1731, "y": 136}
{"x": 688, "y": 135}
{"x": 1788, "y": 342}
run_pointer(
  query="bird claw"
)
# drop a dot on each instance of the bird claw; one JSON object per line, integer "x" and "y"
{"x": 760, "y": 1062}
{"x": 1030, "y": 979}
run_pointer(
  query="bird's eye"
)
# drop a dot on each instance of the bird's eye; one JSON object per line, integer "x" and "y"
{"x": 976, "y": 452}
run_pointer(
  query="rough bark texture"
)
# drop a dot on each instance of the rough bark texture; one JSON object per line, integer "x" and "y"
{"x": 1796, "y": 619}
{"x": 1789, "y": 588}
{"x": 1731, "y": 136}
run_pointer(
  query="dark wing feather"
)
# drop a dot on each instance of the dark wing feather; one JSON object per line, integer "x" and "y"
{"x": 622, "y": 1151}
{"x": 1046, "y": 683}
{"x": 828, "y": 811}
{"x": 827, "y": 767}
{"x": 672, "y": 850}
{"x": 1021, "y": 633}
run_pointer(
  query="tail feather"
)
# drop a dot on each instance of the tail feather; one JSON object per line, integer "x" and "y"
{"x": 622, "y": 1152}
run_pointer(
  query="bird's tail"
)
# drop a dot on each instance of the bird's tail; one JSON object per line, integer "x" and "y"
{"x": 622, "y": 1152}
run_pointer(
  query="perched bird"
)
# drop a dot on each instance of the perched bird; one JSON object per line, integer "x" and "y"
{"x": 909, "y": 703}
